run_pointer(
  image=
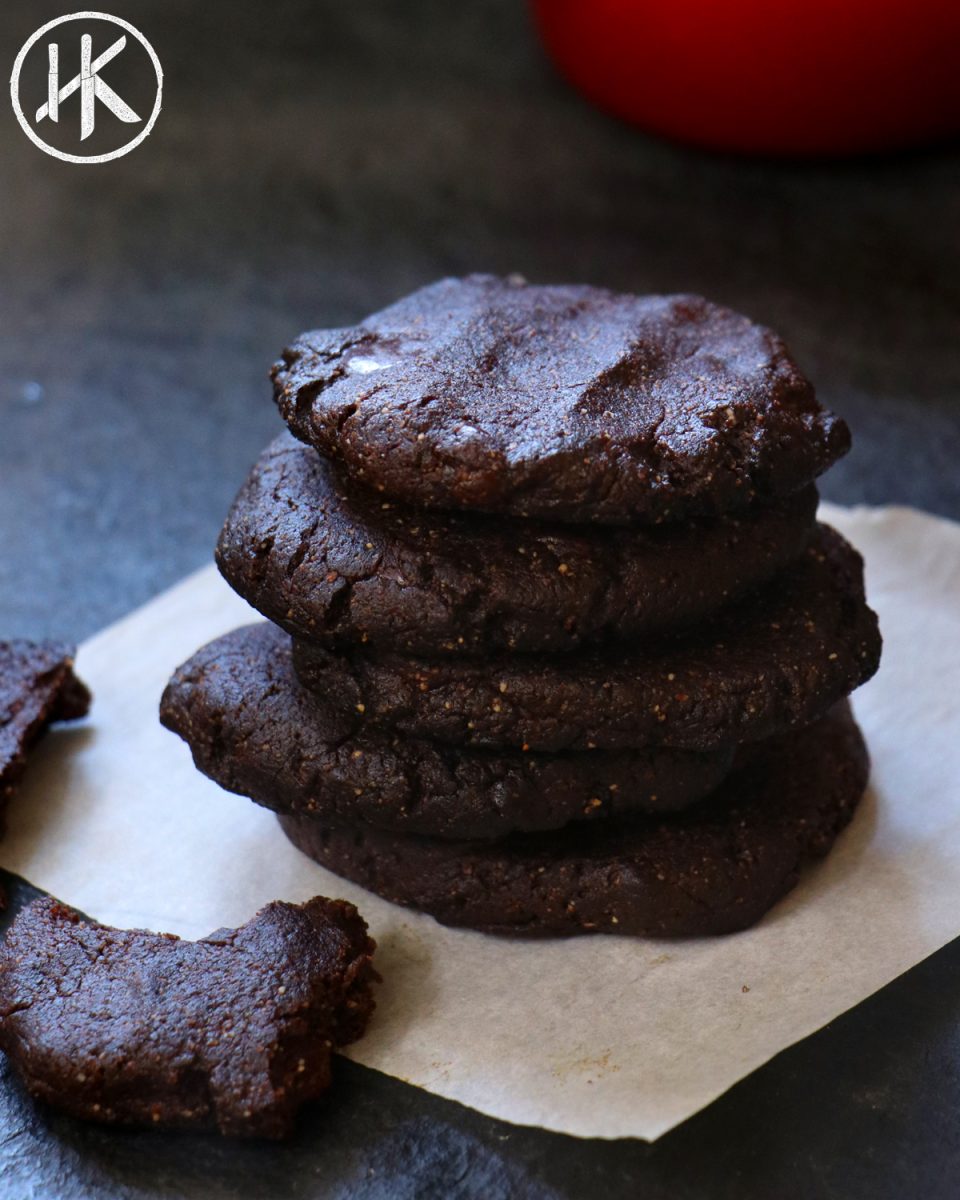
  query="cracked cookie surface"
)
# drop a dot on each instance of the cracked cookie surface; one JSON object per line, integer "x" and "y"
{"x": 562, "y": 402}
{"x": 233, "y": 1032}
{"x": 37, "y": 688}
{"x": 339, "y": 565}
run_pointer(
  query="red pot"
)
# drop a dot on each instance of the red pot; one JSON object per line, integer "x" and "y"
{"x": 766, "y": 76}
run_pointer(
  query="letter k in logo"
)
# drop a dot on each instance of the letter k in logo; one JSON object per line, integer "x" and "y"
{"x": 92, "y": 87}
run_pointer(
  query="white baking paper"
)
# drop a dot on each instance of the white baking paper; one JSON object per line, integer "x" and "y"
{"x": 596, "y": 1036}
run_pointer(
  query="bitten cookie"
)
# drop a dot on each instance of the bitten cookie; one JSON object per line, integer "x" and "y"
{"x": 233, "y": 1032}
{"x": 774, "y": 662}
{"x": 569, "y": 403}
{"x": 336, "y": 564}
{"x": 714, "y": 869}
{"x": 254, "y": 729}
{"x": 37, "y": 688}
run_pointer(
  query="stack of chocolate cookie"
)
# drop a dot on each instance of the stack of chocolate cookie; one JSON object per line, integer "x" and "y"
{"x": 558, "y": 645}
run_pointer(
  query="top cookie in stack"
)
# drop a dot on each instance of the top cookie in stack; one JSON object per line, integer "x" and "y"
{"x": 562, "y": 403}
{"x": 554, "y": 573}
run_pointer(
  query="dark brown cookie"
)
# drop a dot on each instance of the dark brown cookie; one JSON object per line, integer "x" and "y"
{"x": 37, "y": 687}
{"x": 256, "y": 731}
{"x": 566, "y": 403}
{"x": 338, "y": 565}
{"x": 233, "y": 1032}
{"x": 771, "y": 663}
{"x": 715, "y": 868}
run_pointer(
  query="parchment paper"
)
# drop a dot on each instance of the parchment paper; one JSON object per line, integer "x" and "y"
{"x": 603, "y": 1036}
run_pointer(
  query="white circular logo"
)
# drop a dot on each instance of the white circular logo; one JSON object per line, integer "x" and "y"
{"x": 98, "y": 109}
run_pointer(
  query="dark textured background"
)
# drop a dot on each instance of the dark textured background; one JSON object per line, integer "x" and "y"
{"x": 313, "y": 161}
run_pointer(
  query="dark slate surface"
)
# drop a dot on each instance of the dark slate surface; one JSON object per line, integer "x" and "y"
{"x": 313, "y": 161}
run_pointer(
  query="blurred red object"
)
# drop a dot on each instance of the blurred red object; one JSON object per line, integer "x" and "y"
{"x": 766, "y": 76}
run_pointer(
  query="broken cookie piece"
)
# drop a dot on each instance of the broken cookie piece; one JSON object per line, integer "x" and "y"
{"x": 232, "y": 1032}
{"x": 37, "y": 687}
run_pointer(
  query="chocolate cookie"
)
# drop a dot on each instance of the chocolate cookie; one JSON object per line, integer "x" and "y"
{"x": 567, "y": 403}
{"x": 233, "y": 1032}
{"x": 713, "y": 869}
{"x": 771, "y": 663}
{"x": 37, "y": 687}
{"x": 338, "y": 565}
{"x": 256, "y": 731}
